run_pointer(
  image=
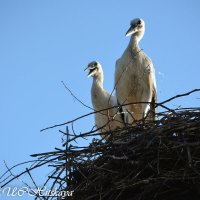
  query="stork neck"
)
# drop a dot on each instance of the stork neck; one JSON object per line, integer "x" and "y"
{"x": 134, "y": 44}
{"x": 98, "y": 81}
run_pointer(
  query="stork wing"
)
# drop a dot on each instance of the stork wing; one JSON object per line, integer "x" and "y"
{"x": 154, "y": 100}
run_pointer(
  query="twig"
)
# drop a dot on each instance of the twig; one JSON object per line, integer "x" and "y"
{"x": 91, "y": 113}
{"x": 75, "y": 96}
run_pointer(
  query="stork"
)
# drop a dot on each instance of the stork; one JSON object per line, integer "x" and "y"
{"x": 109, "y": 119}
{"x": 135, "y": 77}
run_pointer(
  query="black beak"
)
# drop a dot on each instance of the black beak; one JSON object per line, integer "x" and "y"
{"x": 131, "y": 30}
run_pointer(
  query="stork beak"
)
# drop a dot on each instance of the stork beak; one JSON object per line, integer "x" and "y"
{"x": 131, "y": 30}
{"x": 89, "y": 74}
{"x": 86, "y": 68}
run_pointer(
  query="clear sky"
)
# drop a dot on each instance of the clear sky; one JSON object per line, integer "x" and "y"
{"x": 44, "y": 42}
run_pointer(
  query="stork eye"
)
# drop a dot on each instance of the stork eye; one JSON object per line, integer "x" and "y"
{"x": 139, "y": 22}
{"x": 95, "y": 63}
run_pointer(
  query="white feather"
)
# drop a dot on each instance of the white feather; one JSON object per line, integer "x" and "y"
{"x": 101, "y": 99}
{"x": 135, "y": 78}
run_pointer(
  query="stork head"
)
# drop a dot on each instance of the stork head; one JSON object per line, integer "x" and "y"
{"x": 94, "y": 69}
{"x": 137, "y": 28}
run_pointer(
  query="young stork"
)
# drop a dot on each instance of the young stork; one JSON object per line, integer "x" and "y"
{"x": 109, "y": 119}
{"x": 135, "y": 77}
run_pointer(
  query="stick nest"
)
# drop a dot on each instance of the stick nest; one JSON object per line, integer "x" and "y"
{"x": 159, "y": 161}
{"x": 145, "y": 162}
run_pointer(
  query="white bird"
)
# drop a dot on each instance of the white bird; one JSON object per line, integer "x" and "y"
{"x": 135, "y": 77}
{"x": 109, "y": 119}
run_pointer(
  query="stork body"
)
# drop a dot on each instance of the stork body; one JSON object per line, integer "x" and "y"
{"x": 135, "y": 76}
{"x": 109, "y": 119}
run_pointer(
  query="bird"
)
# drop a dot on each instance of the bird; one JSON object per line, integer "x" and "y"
{"x": 106, "y": 120}
{"x": 135, "y": 78}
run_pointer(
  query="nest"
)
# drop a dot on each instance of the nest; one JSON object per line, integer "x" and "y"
{"x": 145, "y": 162}
{"x": 159, "y": 161}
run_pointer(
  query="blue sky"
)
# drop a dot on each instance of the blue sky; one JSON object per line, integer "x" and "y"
{"x": 44, "y": 42}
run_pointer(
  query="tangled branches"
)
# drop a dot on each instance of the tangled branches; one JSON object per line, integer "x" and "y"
{"x": 157, "y": 162}
{"x": 145, "y": 161}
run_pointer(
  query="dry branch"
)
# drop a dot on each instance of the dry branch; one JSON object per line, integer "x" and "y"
{"x": 141, "y": 162}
